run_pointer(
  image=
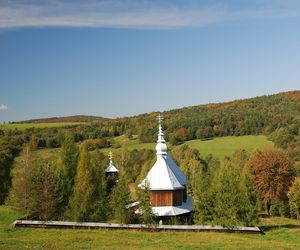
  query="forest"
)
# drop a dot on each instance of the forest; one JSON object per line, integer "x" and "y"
{"x": 229, "y": 191}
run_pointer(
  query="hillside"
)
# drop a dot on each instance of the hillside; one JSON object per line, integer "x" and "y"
{"x": 71, "y": 119}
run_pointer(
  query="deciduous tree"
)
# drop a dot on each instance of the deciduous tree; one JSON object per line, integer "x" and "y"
{"x": 272, "y": 174}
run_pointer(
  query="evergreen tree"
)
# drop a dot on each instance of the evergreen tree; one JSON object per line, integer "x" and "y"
{"x": 69, "y": 157}
{"x": 65, "y": 175}
{"x": 21, "y": 191}
{"x": 248, "y": 204}
{"x": 43, "y": 204}
{"x": 294, "y": 198}
{"x": 82, "y": 201}
{"x": 101, "y": 206}
{"x": 144, "y": 197}
{"x": 120, "y": 198}
{"x": 227, "y": 195}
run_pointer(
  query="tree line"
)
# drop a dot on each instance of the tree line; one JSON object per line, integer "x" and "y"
{"x": 228, "y": 192}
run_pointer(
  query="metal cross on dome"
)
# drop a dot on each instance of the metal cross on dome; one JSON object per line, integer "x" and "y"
{"x": 159, "y": 118}
{"x": 110, "y": 154}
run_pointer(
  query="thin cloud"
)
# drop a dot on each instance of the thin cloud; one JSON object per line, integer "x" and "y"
{"x": 136, "y": 14}
{"x": 3, "y": 106}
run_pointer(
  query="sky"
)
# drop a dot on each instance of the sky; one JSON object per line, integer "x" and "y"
{"x": 117, "y": 58}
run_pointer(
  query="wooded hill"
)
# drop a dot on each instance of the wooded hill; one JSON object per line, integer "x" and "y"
{"x": 73, "y": 118}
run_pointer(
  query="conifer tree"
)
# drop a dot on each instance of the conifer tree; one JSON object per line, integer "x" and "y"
{"x": 69, "y": 157}
{"x": 227, "y": 195}
{"x": 21, "y": 191}
{"x": 101, "y": 198}
{"x": 294, "y": 198}
{"x": 248, "y": 205}
{"x": 144, "y": 197}
{"x": 203, "y": 199}
{"x": 120, "y": 198}
{"x": 43, "y": 204}
{"x": 65, "y": 175}
{"x": 82, "y": 201}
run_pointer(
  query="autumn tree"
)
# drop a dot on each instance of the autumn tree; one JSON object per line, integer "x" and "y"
{"x": 294, "y": 198}
{"x": 272, "y": 174}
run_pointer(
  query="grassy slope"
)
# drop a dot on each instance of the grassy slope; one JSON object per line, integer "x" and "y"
{"x": 219, "y": 147}
{"x": 222, "y": 146}
{"x": 281, "y": 234}
{"x": 22, "y": 126}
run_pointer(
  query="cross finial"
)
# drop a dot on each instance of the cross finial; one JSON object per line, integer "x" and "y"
{"x": 159, "y": 118}
{"x": 110, "y": 154}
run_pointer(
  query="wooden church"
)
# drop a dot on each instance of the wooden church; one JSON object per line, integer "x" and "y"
{"x": 111, "y": 170}
{"x": 167, "y": 183}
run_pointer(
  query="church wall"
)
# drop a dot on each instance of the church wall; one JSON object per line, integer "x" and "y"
{"x": 166, "y": 198}
{"x": 161, "y": 198}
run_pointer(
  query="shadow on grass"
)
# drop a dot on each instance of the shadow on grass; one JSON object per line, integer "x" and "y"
{"x": 271, "y": 227}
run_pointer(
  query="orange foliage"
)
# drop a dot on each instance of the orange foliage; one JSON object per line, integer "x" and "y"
{"x": 292, "y": 95}
{"x": 272, "y": 174}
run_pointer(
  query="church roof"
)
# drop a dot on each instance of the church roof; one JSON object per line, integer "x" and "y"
{"x": 111, "y": 168}
{"x": 165, "y": 174}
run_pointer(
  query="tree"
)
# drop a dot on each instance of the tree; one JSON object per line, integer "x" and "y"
{"x": 101, "y": 205}
{"x": 204, "y": 198}
{"x": 21, "y": 190}
{"x": 227, "y": 195}
{"x": 82, "y": 201}
{"x": 272, "y": 174}
{"x": 69, "y": 157}
{"x": 144, "y": 197}
{"x": 248, "y": 204}
{"x": 66, "y": 176}
{"x": 33, "y": 190}
{"x": 294, "y": 198}
{"x": 282, "y": 136}
{"x": 120, "y": 198}
{"x": 43, "y": 203}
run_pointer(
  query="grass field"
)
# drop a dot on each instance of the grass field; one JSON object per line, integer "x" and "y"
{"x": 222, "y": 146}
{"x": 280, "y": 233}
{"x": 218, "y": 147}
{"x": 23, "y": 126}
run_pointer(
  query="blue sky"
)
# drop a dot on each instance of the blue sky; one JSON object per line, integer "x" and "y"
{"x": 119, "y": 58}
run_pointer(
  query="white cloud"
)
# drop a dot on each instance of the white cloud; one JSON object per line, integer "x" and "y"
{"x": 3, "y": 106}
{"x": 136, "y": 14}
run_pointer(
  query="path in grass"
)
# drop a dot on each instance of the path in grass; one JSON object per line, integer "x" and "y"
{"x": 226, "y": 146}
{"x": 282, "y": 234}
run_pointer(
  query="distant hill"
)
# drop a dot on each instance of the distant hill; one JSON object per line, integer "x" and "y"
{"x": 74, "y": 118}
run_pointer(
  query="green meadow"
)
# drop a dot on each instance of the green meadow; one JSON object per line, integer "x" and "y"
{"x": 225, "y": 146}
{"x": 218, "y": 147}
{"x": 280, "y": 233}
{"x": 23, "y": 126}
